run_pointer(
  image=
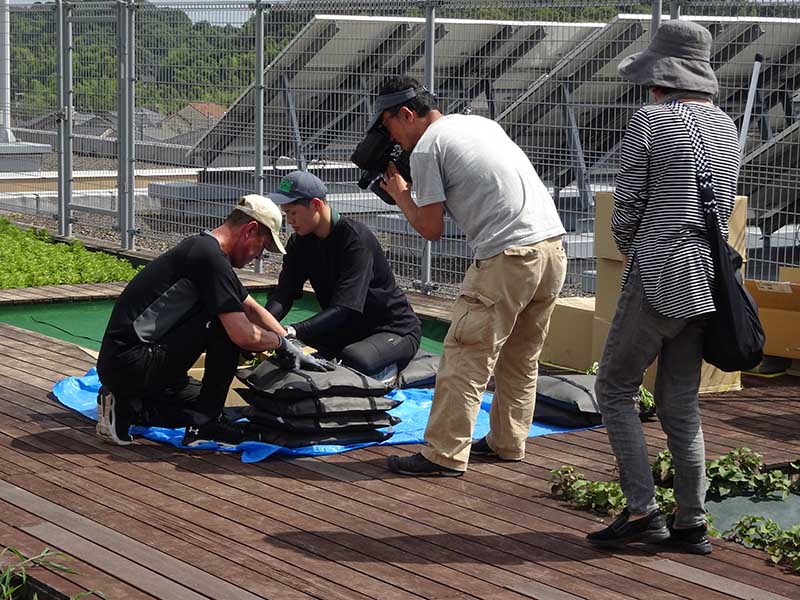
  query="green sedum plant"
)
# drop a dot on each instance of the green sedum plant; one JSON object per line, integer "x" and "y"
{"x": 31, "y": 258}
{"x": 739, "y": 472}
{"x": 782, "y": 545}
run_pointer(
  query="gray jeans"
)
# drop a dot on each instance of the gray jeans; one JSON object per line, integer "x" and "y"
{"x": 638, "y": 336}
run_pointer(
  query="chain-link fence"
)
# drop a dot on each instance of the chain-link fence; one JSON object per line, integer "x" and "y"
{"x": 161, "y": 114}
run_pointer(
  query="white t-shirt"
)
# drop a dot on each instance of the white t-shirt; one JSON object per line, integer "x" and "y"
{"x": 487, "y": 183}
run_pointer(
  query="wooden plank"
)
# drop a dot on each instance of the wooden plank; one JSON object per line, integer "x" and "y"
{"x": 286, "y": 524}
{"x": 517, "y": 534}
{"x": 714, "y": 582}
{"x": 267, "y": 536}
{"x": 135, "y": 563}
{"x": 396, "y": 534}
{"x": 218, "y": 554}
{"x": 85, "y": 578}
{"x": 567, "y": 517}
{"x": 411, "y": 522}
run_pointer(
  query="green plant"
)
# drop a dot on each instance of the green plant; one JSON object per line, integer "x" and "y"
{"x": 782, "y": 545}
{"x": 605, "y": 497}
{"x": 665, "y": 498}
{"x": 663, "y": 468}
{"x": 31, "y": 258}
{"x": 647, "y": 402}
{"x": 739, "y": 472}
{"x": 14, "y": 577}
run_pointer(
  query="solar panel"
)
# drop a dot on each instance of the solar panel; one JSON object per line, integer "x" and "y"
{"x": 332, "y": 68}
{"x": 602, "y": 102}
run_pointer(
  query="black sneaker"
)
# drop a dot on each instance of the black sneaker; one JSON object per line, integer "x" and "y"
{"x": 416, "y": 464}
{"x": 113, "y": 420}
{"x": 650, "y": 529}
{"x": 481, "y": 448}
{"x": 222, "y": 432}
{"x": 693, "y": 540}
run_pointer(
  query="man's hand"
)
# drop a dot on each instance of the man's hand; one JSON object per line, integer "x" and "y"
{"x": 394, "y": 184}
{"x": 290, "y": 356}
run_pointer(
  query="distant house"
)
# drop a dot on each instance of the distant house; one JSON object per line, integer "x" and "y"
{"x": 100, "y": 125}
{"x": 195, "y": 116}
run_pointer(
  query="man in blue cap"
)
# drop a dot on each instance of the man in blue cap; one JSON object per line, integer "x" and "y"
{"x": 366, "y": 319}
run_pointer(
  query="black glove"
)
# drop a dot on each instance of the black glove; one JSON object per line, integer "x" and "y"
{"x": 290, "y": 357}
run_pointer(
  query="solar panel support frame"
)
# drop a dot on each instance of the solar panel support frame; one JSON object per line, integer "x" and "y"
{"x": 574, "y": 138}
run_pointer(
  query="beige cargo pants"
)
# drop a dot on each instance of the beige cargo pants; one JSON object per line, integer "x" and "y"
{"x": 499, "y": 324}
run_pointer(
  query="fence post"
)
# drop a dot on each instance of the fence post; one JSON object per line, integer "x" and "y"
{"x": 6, "y": 134}
{"x": 258, "y": 108}
{"x": 426, "y": 284}
{"x": 675, "y": 9}
{"x": 65, "y": 119}
{"x": 63, "y": 221}
{"x": 748, "y": 109}
{"x": 130, "y": 9}
{"x": 122, "y": 125}
{"x": 655, "y": 21}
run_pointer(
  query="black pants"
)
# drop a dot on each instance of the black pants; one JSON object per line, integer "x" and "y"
{"x": 374, "y": 353}
{"x": 150, "y": 381}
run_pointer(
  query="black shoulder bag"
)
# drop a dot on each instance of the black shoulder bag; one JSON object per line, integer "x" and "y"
{"x": 734, "y": 338}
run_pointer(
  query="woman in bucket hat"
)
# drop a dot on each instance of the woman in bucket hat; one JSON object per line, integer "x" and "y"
{"x": 658, "y": 226}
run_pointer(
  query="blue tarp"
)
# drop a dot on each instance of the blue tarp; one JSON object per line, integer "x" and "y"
{"x": 80, "y": 394}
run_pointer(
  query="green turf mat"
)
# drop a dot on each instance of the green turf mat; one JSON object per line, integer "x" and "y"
{"x": 785, "y": 512}
{"x": 83, "y": 322}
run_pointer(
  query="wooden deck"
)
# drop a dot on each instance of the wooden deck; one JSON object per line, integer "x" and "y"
{"x": 149, "y": 521}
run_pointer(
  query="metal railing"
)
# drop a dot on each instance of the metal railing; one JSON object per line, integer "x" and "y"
{"x": 159, "y": 115}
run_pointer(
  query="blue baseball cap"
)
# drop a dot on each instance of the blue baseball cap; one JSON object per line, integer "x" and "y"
{"x": 298, "y": 185}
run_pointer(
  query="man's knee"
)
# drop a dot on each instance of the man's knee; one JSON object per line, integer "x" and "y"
{"x": 360, "y": 358}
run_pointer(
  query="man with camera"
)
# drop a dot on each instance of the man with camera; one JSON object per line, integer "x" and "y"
{"x": 366, "y": 320}
{"x": 470, "y": 167}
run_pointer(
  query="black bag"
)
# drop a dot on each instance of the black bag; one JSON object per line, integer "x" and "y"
{"x": 342, "y": 422}
{"x": 420, "y": 371}
{"x": 274, "y": 382}
{"x": 307, "y": 407}
{"x": 288, "y": 439}
{"x": 734, "y": 338}
{"x": 566, "y": 401}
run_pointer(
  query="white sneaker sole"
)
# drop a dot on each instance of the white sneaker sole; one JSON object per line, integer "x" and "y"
{"x": 105, "y": 429}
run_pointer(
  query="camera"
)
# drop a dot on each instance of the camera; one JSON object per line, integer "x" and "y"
{"x": 373, "y": 155}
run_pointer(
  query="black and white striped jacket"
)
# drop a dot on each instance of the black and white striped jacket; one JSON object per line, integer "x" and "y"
{"x": 657, "y": 218}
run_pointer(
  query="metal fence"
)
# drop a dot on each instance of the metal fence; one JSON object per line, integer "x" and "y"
{"x": 148, "y": 120}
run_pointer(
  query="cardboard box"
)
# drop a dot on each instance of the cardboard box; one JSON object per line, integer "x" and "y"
{"x": 779, "y": 311}
{"x": 607, "y": 287}
{"x": 737, "y": 226}
{"x": 233, "y": 398}
{"x": 712, "y": 380}
{"x": 569, "y": 341}
{"x": 605, "y": 247}
{"x": 789, "y": 274}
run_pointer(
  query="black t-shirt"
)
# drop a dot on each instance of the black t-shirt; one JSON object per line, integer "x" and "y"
{"x": 194, "y": 276}
{"x": 347, "y": 269}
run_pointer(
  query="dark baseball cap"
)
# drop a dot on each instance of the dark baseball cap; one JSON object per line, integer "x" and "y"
{"x": 298, "y": 185}
{"x": 387, "y": 101}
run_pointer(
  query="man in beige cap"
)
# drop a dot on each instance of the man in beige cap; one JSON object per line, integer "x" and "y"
{"x": 188, "y": 301}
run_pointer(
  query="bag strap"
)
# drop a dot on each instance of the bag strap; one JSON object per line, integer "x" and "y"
{"x": 705, "y": 181}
